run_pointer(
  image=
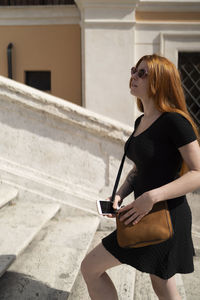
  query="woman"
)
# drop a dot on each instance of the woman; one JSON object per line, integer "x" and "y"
{"x": 166, "y": 154}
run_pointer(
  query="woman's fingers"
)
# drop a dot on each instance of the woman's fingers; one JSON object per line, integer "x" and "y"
{"x": 138, "y": 219}
{"x": 130, "y": 215}
{"x": 126, "y": 208}
{"x": 131, "y": 219}
{"x": 109, "y": 216}
{"x": 127, "y": 215}
{"x": 117, "y": 202}
{"x": 135, "y": 211}
{"x": 134, "y": 219}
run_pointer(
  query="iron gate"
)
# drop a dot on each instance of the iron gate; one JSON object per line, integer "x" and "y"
{"x": 189, "y": 67}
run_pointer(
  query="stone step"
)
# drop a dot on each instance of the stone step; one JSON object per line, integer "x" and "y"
{"x": 7, "y": 194}
{"x": 144, "y": 290}
{"x": 19, "y": 223}
{"x": 196, "y": 241}
{"x": 194, "y": 202}
{"x": 123, "y": 277}
{"x": 191, "y": 281}
{"x": 49, "y": 266}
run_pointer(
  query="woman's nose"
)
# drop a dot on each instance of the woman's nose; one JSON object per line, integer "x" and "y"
{"x": 132, "y": 80}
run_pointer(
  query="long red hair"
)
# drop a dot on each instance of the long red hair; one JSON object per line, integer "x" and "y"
{"x": 165, "y": 89}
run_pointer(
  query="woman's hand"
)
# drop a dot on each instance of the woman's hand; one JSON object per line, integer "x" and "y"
{"x": 136, "y": 210}
{"x": 117, "y": 202}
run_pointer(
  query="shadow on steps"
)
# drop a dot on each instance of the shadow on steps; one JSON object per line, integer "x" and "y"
{"x": 17, "y": 286}
{"x": 5, "y": 261}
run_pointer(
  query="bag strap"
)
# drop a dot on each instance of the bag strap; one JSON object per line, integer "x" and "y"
{"x": 120, "y": 169}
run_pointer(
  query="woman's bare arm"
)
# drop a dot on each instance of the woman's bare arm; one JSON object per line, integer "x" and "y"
{"x": 128, "y": 186}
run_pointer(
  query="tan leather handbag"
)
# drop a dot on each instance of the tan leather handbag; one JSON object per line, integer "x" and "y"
{"x": 153, "y": 228}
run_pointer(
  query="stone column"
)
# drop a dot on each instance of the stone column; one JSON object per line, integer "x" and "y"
{"x": 107, "y": 57}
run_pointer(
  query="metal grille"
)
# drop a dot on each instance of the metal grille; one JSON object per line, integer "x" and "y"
{"x": 189, "y": 67}
{"x": 35, "y": 2}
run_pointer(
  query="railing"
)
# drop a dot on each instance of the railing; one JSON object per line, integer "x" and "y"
{"x": 189, "y": 66}
{"x": 35, "y": 2}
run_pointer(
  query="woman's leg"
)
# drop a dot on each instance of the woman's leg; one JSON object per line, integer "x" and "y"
{"x": 93, "y": 270}
{"x": 165, "y": 289}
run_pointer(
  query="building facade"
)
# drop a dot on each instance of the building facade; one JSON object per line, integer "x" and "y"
{"x": 83, "y": 50}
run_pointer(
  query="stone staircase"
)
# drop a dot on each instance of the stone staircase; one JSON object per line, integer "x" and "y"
{"x": 42, "y": 244}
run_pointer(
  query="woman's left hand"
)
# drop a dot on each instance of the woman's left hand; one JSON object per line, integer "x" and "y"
{"x": 136, "y": 210}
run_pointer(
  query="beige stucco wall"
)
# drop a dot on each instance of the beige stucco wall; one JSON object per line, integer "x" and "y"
{"x": 55, "y": 48}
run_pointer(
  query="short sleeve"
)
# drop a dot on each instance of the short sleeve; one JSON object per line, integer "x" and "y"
{"x": 180, "y": 130}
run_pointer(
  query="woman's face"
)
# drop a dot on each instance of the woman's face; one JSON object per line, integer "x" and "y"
{"x": 139, "y": 81}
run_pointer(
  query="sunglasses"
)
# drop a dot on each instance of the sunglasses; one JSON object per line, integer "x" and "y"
{"x": 140, "y": 73}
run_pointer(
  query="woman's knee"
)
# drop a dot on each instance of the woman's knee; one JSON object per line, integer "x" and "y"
{"x": 85, "y": 268}
{"x": 91, "y": 265}
{"x": 97, "y": 262}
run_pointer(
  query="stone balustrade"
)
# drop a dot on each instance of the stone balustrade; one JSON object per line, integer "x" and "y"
{"x": 53, "y": 147}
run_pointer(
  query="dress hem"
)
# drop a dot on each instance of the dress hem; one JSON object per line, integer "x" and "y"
{"x": 162, "y": 276}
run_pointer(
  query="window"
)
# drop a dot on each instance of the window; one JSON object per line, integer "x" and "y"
{"x": 40, "y": 80}
{"x": 189, "y": 67}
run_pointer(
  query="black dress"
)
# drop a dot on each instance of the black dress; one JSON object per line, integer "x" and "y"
{"x": 158, "y": 161}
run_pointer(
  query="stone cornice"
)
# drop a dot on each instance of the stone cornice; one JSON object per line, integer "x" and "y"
{"x": 39, "y": 15}
{"x": 105, "y": 3}
{"x": 107, "y": 12}
{"x": 68, "y": 112}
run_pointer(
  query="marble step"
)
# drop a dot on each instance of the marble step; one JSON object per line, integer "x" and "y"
{"x": 194, "y": 202}
{"x": 19, "y": 223}
{"x": 196, "y": 241}
{"x": 7, "y": 194}
{"x": 123, "y": 277}
{"x": 48, "y": 268}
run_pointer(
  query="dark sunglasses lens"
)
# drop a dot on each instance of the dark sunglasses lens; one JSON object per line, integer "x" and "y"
{"x": 141, "y": 73}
